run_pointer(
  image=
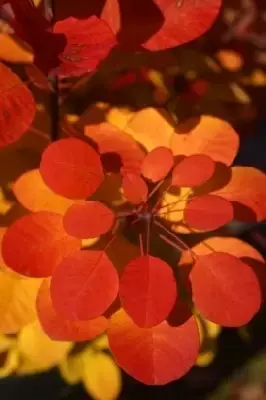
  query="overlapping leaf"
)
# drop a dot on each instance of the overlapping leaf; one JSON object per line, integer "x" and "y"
{"x": 157, "y": 164}
{"x": 154, "y": 356}
{"x": 88, "y": 219}
{"x": 225, "y": 289}
{"x": 17, "y": 107}
{"x": 134, "y": 188}
{"x": 71, "y": 168}
{"x": 34, "y": 244}
{"x": 58, "y": 328}
{"x": 84, "y": 285}
{"x": 31, "y": 191}
{"x": 148, "y": 290}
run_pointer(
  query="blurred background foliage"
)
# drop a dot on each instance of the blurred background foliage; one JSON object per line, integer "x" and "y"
{"x": 223, "y": 73}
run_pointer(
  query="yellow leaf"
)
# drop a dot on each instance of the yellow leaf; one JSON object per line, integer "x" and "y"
{"x": 13, "y": 51}
{"x": 17, "y": 301}
{"x": 6, "y": 343}
{"x": 101, "y": 343}
{"x": 11, "y": 363}
{"x": 101, "y": 376}
{"x": 38, "y": 351}
{"x": 71, "y": 369}
{"x": 207, "y": 356}
{"x": 151, "y": 128}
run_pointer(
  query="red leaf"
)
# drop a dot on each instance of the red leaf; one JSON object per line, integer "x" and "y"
{"x": 225, "y": 289}
{"x": 71, "y": 168}
{"x": 135, "y": 188}
{"x": 208, "y": 212}
{"x": 154, "y": 356}
{"x": 112, "y": 141}
{"x": 193, "y": 171}
{"x": 161, "y": 23}
{"x": 148, "y": 290}
{"x": 34, "y": 244}
{"x": 17, "y": 107}
{"x": 84, "y": 285}
{"x": 58, "y": 328}
{"x": 157, "y": 164}
{"x": 88, "y": 219}
{"x": 87, "y": 43}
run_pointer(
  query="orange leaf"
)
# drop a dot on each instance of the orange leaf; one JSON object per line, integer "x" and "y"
{"x": 135, "y": 188}
{"x": 151, "y": 128}
{"x": 13, "y": 50}
{"x": 154, "y": 356}
{"x": 71, "y": 168}
{"x": 84, "y": 285}
{"x": 148, "y": 290}
{"x": 157, "y": 164}
{"x": 193, "y": 171}
{"x": 210, "y": 136}
{"x": 113, "y": 142}
{"x": 17, "y": 107}
{"x": 225, "y": 289}
{"x": 247, "y": 187}
{"x": 17, "y": 302}
{"x": 208, "y": 212}
{"x": 58, "y": 328}
{"x": 34, "y": 244}
{"x": 31, "y": 191}
{"x": 88, "y": 219}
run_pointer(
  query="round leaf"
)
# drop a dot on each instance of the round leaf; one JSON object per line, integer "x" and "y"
{"x": 157, "y": 164}
{"x": 17, "y": 107}
{"x": 17, "y": 302}
{"x": 135, "y": 188}
{"x": 36, "y": 243}
{"x": 208, "y": 135}
{"x": 208, "y": 212}
{"x": 38, "y": 352}
{"x": 148, "y": 290}
{"x": 157, "y": 355}
{"x": 193, "y": 171}
{"x": 71, "y": 168}
{"x": 87, "y": 43}
{"x": 31, "y": 191}
{"x": 58, "y": 328}
{"x": 101, "y": 376}
{"x": 225, "y": 289}
{"x": 88, "y": 219}
{"x": 84, "y": 285}
{"x": 247, "y": 187}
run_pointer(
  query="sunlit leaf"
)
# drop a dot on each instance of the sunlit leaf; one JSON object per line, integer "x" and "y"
{"x": 247, "y": 187}
{"x": 31, "y": 191}
{"x": 225, "y": 289}
{"x": 230, "y": 60}
{"x": 84, "y": 285}
{"x": 88, "y": 219}
{"x": 36, "y": 243}
{"x": 17, "y": 107}
{"x": 118, "y": 149}
{"x": 208, "y": 212}
{"x": 71, "y": 168}
{"x": 148, "y": 290}
{"x": 134, "y": 188}
{"x": 151, "y": 128}
{"x": 38, "y": 351}
{"x": 17, "y": 302}
{"x": 87, "y": 43}
{"x": 157, "y": 164}
{"x": 101, "y": 376}
{"x": 193, "y": 171}
{"x": 58, "y": 328}
{"x": 13, "y": 51}
{"x": 157, "y": 355}
{"x": 208, "y": 135}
